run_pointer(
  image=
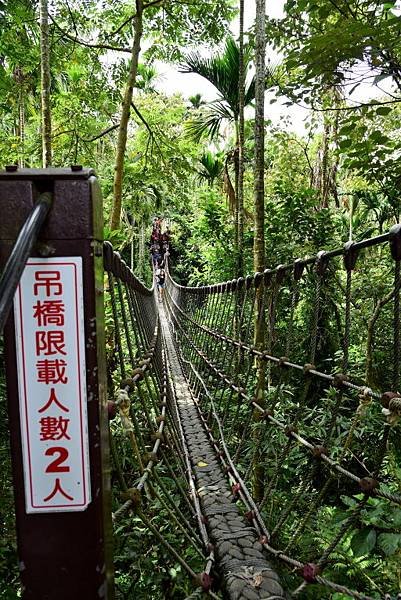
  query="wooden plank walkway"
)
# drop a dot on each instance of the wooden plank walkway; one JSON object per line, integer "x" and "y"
{"x": 244, "y": 569}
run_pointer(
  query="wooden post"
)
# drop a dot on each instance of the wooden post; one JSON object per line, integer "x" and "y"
{"x": 65, "y": 554}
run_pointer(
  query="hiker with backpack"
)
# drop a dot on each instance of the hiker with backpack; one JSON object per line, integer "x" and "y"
{"x": 161, "y": 281}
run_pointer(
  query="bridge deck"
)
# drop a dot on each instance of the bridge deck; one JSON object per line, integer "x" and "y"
{"x": 245, "y": 571}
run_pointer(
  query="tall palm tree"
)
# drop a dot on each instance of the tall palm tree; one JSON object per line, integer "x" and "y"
{"x": 147, "y": 77}
{"x": 45, "y": 83}
{"x": 196, "y": 101}
{"x": 259, "y": 235}
{"x": 211, "y": 167}
{"x": 222, "y": 71}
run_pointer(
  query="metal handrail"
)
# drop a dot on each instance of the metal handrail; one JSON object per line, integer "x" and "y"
{"x": 17, "y": 260}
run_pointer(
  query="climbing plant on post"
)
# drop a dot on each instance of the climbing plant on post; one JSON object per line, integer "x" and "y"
{"x": 259, "y": 224}
{"x": 45, "y": 84}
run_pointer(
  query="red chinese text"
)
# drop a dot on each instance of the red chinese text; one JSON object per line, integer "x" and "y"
{"x": 49, "y": 312}
{"x": 49, "y": 281}
{"x": 50, "y": 343}
{"x": 51, "y": 371}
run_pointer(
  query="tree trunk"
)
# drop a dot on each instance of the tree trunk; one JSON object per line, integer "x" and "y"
{"x": 236, "y": 189}
{"x": 21, "y": 112}
{"x": 369, "y": 373}
{"x": 259, "y": 232}
{"x": 324, "y": 181}
{"x": 45, "y": 84}
{"x": 132, "y": 246}
{"x": 115, "y": 218}
{"x": 241, "y": 144}
{"x": 20, "y": 131}
{"x": 141, "y": 253}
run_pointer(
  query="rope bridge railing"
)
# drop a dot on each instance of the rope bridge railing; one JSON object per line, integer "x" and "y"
{"x": 320, "y": 445}
{"x": 149, "y": 456}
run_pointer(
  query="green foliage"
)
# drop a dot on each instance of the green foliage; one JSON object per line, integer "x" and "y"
{"x": 363, "y": 542}
{"x": 327, "y": 47}
{"x": 323, "y": 42}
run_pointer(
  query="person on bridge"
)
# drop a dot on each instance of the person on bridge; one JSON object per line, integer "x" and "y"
{"x": 161, "y": 281}
{"x": 156, "y": 236}
{"x": 156, "y": 254}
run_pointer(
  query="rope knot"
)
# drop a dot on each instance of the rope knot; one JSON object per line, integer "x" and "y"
{"x": 391, "y": 402}
{"x": 350, "y": 256}
{"x": 267, "y": 277}
{"x": 235, "y": 489}
{"x": 268, "y": 413}
{"x": 298, "y": 270}
{"x": 310, "y": 571}
{"x": 204, "y": 580}
{"x": 250, "y": 515}
{"x": 280, "y": 274}
{"x": 395, "y": 241}
{"x": 365, "y": 398}
{"x": 282, "y": 361}
{"x": 317, "y": 451}
{"x": 368, "y": 484}
{"x": 128, "y": 382}
{"x": 290, "y": 429}
{"x": 339, "y": 380}
{"x": 150, "y": 457}
{"x": 257, "y": 278}
{"x": 134, "y": 495}
{"x": 124, "y": 403}
{"x": 137, "y": 374}
{"x": 322, "y": 262}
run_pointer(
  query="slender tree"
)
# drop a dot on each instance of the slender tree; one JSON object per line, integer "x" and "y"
{"x": 223, "y": 70}
{"x": 45, "y": 84}
{"x": 259, "y": 225}
{"x": 115, "y": 217}
{"x": 241, "y": 144}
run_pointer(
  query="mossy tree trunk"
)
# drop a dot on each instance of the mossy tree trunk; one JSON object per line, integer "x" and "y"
{"x": 241, "y": 145}
{"x": 115, "y": 217}
{"x": 45, "y": 79}
{"x": 259, "y": 232}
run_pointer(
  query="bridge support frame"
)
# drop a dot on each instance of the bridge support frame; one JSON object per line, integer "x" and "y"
{"x": 63, "y": 555}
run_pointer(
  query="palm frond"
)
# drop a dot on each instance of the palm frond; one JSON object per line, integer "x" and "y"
{"x": 200, "y": 127}
{"x": 208, "y": 123}
{"x": 196, "y": 101}
{"x": 221, "y": 70}
{"x": 220, "y": 108}
{"x": 211, "y": 166}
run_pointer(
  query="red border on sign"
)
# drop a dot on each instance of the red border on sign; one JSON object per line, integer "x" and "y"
{"x": 84, "y": 503}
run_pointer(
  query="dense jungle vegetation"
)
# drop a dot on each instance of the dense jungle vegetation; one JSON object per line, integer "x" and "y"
{"x": 80, "y": 83}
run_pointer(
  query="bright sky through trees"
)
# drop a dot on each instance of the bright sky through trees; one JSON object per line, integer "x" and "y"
{"x": 172, "y": 81}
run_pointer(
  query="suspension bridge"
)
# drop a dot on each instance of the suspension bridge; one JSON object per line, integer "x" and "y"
{"x": 262, "y": 453}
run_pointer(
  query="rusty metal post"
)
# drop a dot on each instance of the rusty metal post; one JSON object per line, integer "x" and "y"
{"x": 63, "y": 555}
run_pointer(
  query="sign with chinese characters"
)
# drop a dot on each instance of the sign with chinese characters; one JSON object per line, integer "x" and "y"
{"x": 50, "y": 342}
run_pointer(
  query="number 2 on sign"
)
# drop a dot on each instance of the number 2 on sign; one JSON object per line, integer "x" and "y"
{"x": 55, "y": 465}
